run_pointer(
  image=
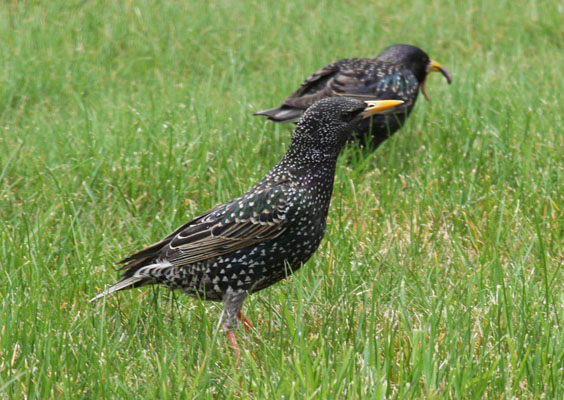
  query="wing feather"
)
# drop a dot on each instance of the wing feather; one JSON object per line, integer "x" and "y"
{"x": 225, "y": 229}
{"x": 358, "y": 77}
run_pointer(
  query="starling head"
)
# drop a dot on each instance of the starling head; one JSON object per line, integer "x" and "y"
{"x": 416, "y": 60}
{"x": 411, "y": 57}
{"x": 328, "y": 123}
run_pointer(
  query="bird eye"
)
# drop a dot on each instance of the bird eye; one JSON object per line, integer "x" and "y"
{"x": 348, "y": 116}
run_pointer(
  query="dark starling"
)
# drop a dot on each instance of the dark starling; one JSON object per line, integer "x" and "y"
{"x": 257, "y": 239}
{"x": 397, "y": 73}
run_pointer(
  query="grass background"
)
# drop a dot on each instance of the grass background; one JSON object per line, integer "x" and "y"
{"x": 440, "y": 275}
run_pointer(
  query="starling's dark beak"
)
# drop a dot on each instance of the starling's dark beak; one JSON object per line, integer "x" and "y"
{"x": 377, "y": 106}
{"x": 434, "y": 66}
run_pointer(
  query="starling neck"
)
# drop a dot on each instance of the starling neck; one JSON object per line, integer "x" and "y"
{"x": 314, "y": 171}
{"x": 301, "y": 153}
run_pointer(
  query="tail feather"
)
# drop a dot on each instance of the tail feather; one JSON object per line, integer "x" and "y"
{"x": 135, "y": 278}
{"x": 282, "y": 114}
{"x": 127, "y": 283}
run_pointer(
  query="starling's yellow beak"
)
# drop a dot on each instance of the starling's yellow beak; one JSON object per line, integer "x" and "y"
{"x": 377, "y": 106}
{"x": 435, "y": 66}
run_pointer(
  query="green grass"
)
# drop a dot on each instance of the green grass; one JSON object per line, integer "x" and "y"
{"x": 441, "y": 273}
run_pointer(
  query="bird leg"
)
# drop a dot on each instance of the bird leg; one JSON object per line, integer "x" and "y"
{"x": 232, "y": 312}
{"x": 246, "y": 322}
{"x": 233, "y": 342}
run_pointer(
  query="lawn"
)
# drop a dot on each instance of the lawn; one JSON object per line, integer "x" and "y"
{"x": 440, "y": 275}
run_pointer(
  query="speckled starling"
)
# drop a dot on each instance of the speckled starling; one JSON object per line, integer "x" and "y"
{"x": 257, "y": 239}
{"x": 397, "y": 73}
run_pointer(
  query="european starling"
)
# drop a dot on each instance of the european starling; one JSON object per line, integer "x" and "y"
{"x": 257, "y": 239}
{"x": 397, "y": 73}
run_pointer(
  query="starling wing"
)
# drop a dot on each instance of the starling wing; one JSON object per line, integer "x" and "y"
{"x": 314, "y": 88}
{"x": 362, "y": 78}
{"x": 258, "y": 216}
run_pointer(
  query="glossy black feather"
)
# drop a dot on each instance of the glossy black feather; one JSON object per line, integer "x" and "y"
{"x": 396, "y": 74}
{"x": 257, "y": 239}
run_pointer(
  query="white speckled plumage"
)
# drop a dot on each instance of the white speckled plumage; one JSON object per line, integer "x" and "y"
{"x": 257, "y": 239}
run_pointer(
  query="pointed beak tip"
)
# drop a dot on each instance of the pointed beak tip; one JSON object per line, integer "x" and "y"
{"x": 377, "y": 106}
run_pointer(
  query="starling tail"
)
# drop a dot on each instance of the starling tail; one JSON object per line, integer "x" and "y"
{"x": 282, "y": 114}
